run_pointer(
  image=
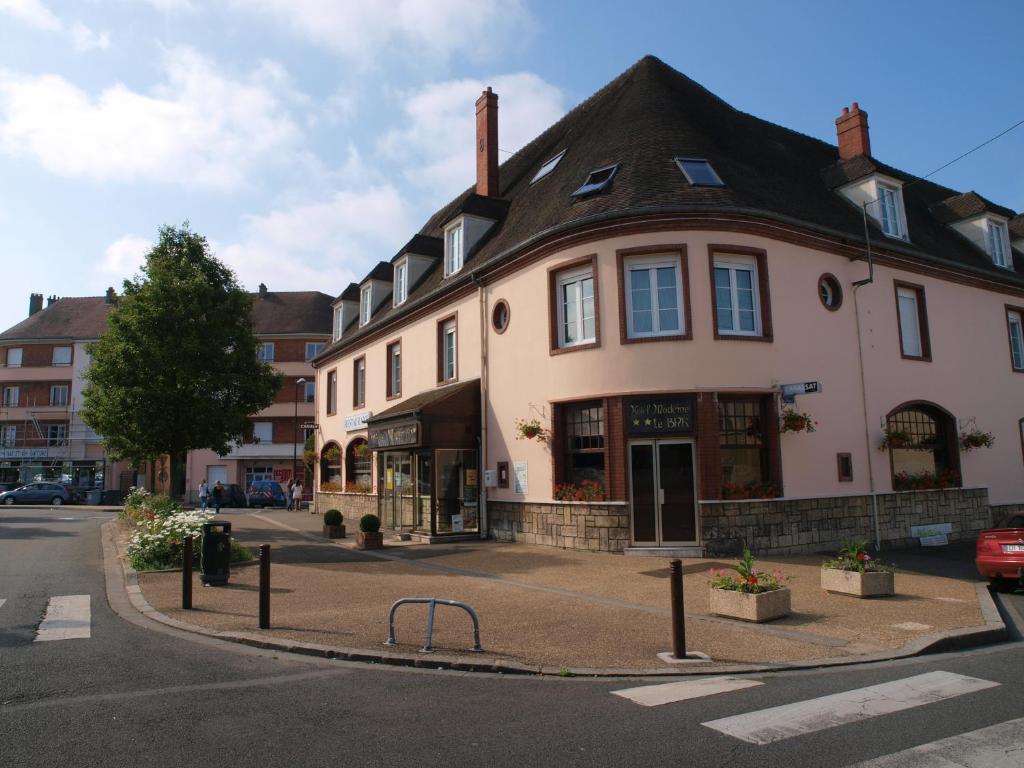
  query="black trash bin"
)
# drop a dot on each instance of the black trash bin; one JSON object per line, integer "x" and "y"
{"x": 216, "y": 556}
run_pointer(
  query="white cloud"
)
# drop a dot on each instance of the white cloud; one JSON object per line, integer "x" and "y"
{"x": 35, "y": 14}
{"x": 123, "y": 257}
{"x": 173, "y": 6}
{"x": 416, "y": 28}
{"x": 199, "y": 127}
{"x": 436, "y": 143}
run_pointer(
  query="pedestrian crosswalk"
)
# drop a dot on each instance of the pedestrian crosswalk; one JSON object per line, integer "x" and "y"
{"x": 67, "y": 617}
{"x": 998, "y": 746}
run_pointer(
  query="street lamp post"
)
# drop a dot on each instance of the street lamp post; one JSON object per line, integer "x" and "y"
{"x": 295, "y": 445}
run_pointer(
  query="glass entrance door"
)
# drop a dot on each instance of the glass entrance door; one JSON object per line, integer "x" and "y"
{"x": 662, "y": 492}
{"x": 396, "y": 491}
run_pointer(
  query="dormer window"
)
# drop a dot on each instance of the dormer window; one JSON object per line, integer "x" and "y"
{"x": 998, "y": 243}
{"x": 548, "y": 167}
{"x": 699, "y": 172}
{"x": 882, "y": 196}
{"x": 889, "y": 207}
{"x": 453, "y": 250}
{"x": 364, "y": 304}
{"x": 597, "y": 181}
{"x": 401, "y": 289}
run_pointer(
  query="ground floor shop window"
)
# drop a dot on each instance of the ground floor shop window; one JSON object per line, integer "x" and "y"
{"x": 358, "y": 467}
{"x": 458, "y": 491}
{"x": 585, "y": 454}
{"x": 254, "y": 473}
{"x": 922, "y": 443}
{"x": 743, "y": 448}
{"x": 330, "y": 468}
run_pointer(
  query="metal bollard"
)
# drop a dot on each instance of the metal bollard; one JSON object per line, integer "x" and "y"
{"x": 264, "y": 586}
{"x": 186, "y": 574}
{"x": 678, "y": 617}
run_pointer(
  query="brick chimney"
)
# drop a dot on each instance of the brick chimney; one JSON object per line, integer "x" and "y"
{"x": 52, "y": 299}
{"x": 111, "y": 295}
{"x": 487, "y": 144}
{"x": 35, "y": 303}
{"x": 852, "y": 132}
{"x": 263, "y": 290}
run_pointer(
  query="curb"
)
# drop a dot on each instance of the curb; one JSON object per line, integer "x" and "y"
{"x": 992, "y": 631}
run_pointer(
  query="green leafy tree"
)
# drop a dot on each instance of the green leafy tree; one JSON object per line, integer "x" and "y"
{"x": 176, "y": 369}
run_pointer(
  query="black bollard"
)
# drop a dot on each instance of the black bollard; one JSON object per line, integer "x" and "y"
{"x": 678, "y": 617}
{"x": 186, "y": 574}
{"x": 264, "y": 586}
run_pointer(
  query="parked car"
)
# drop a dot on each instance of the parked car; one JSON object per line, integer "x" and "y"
{"x": 7, "y": 486}
{"x": 232, "y": 496}
{"x": 999, "y": 554}
{"x": 267, "y": 493}
{"x": 39, "y": 493}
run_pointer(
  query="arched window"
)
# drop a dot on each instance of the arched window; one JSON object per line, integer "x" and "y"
{"x": 330, "y": 464}
{"x": 358, "y": 466}
{"x": 922, "y": 443}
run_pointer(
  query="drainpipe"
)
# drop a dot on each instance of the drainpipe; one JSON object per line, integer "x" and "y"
{"x": 482, "y": 488}
{"x": 863, "y": 385}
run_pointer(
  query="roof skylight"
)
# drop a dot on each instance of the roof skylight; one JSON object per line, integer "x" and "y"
{"x": 548, "y": 167}
{"x": 699, "y": 172}
{"x": 597, "y": 181}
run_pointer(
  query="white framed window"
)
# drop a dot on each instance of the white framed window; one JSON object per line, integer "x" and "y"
{"x": 890, "y": 211}
{"x": 58, "y": 394}
{"x": 9, "y": 436}
{"x": 448, "y": 359}
{"x": 56, "y": 434}
{"x": 11, "y": 396}
{"x": 14, "y": 357}
{"x": 1016, "y": 328}
{"x": 265, "y": 351}
{"x": 337, "y": 323}
{"x": 359, "y": 382}
{"x": 401, "y": 282}
{"x": 998, "y": 243}
{"x": 577, "y": 315}
{"x": 913, "y": 334}
{"x": 310, "y": 391}
{"x": 62, "y": 356}
{"x": 737, "y": 304}
{"x": 365, "y": 293}
{"x": 313, "y": 348}
{"x": 394, "y": 370}
{"x": 263, "y": 431}
{"x": 654, "y": 297}
{"x": 453, "y": 249}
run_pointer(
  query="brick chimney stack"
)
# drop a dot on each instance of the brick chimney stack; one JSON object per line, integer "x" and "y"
{"x": 52, "y": 299}
{"x": 487, "y": 144}
{"x": 35, "y": 303}
{"x": 852, "y": 132}
{"x": 111, "y": 295}
{"x": 263, "y": 290}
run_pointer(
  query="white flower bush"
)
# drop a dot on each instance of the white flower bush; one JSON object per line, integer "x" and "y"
{"x": 158, "y": 541}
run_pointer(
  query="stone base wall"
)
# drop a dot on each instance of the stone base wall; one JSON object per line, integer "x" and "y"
{"x": 814, "y": 525}
{"x": 1002, "y": 511}
{"x": 351, "y": 505}
{"x": 591, "y": 527}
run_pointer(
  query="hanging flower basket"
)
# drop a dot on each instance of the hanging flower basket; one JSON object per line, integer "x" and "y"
{"x": 975, "y": 438}
{"x": 309, "y": 457}
{"x": 531, "y": 430}
{"x": 895, "y": 438}
{"x": 332, "y": 454}
{"x": 793, "y": 420}
{"x": 362, "y": 451}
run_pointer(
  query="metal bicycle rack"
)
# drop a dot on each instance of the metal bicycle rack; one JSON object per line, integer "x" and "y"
{"x": 433, "y": 602}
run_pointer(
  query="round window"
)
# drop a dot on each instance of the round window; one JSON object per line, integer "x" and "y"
{"x": 830, "y": 292}
{"x": 500, "y": 316}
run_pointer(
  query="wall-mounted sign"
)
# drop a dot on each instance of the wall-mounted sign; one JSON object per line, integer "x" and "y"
{"x": 659, "y": 415}
{"x": 400, "y": 435}
{"x": 356, "y": 420}
{"x": 934, "y": 535}
{"x": 310, "y": 425}
{"x": 790, "y": 391}
{"x": 522, "y": 484}
{"x": 23, "y": 453}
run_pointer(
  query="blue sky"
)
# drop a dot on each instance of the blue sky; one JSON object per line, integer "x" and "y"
{"x": 308, "y": 139}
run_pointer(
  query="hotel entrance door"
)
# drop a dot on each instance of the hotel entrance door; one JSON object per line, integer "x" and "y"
{"x": 662, "y": 495}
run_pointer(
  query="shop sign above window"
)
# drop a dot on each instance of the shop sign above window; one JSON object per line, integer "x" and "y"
{"x": 660, "y": 415}
{"x": 395, "y": 435}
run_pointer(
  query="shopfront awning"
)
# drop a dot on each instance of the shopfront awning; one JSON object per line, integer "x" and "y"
{"x": 446, "y": 417}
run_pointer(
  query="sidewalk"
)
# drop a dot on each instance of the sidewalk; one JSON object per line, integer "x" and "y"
{"x": 540, "y": 606}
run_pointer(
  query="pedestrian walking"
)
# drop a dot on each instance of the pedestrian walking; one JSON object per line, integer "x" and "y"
{"x": 297, "y": 495}
{"x": 218, "y": 496}
{"x": 204, "y": 495}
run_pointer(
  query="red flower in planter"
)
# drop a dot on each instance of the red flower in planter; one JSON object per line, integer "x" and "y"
{"x": 862, "y": 556}
{"x": 752, "y": 580}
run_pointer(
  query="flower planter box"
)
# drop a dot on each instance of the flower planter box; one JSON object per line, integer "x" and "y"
{"x": 365, "y": 540}
{"x": 760, "y": 607}
{"x": 868, "y": 584}
{"x": 334, "y": 531}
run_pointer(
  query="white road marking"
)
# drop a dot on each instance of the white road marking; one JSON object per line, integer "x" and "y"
{"x": 72, "y": 519}
{"x": 666, "y": 693}
{"x": 67, "y": 617}
{"x": 998, "y": 746}
{"x": 2, "y": 601}
{"x": 777, "y": 723}
{"x": 912, "y": 626}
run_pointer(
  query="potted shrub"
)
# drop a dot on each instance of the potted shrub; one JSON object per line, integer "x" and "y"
{"x": 751, "y": 594}
{"x": 334, "y": 524}
{"x": 369, "y": 535}
{"x": 855, "y": 572}
{"x": 793, "y": 420}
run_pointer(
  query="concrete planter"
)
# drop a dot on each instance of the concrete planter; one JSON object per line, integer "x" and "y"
{"x": 870, "y": 584}
{"x": 334, "y": 531}
{"x": 760, "y": 607}
{"x": 367, "y": 540}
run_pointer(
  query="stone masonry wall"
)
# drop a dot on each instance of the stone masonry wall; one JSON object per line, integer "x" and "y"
{"x": 351, "y": 505}
{"x": 814, "y": 525}
{"x": 593, "y": 527}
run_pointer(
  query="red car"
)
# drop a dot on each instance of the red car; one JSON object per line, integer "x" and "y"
{"x": 1000, "y": 554}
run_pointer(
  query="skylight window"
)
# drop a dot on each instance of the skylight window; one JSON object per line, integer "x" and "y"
{"x": 699, "y": 172}
{"x": 548, "y": 167}
{"x": 597, "y": 181}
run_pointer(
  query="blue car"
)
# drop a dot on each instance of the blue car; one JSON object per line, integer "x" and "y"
{"x": 53, "y": 494}
{"x": 266, "y": 493}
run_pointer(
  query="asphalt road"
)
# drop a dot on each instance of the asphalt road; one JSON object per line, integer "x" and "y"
{"x": 135, "y": 693}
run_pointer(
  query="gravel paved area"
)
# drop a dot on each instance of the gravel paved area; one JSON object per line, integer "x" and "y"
{"x": 539, "y": 605}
